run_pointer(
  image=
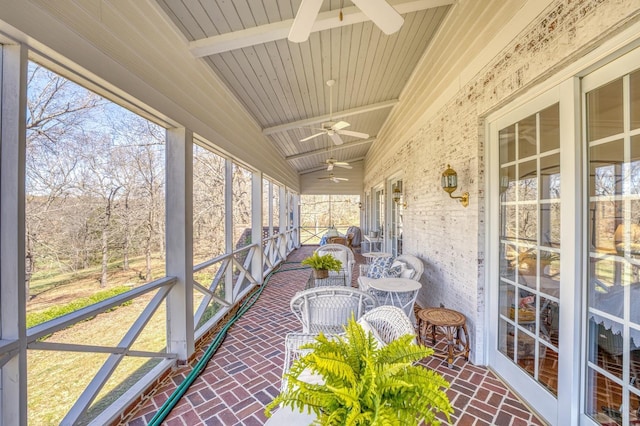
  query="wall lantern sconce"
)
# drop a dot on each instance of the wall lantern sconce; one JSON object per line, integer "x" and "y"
{"x": 450, "y": 184}
{"x": 398, "y": 196}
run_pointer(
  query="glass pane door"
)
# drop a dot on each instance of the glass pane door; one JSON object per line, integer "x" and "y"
{"x": 395, "y": 231}
{"x": 612, "y": 394}
{"x": 529, "y": 224}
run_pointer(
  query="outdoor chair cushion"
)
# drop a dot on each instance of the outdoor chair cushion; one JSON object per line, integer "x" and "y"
{"x": 405, "y": 270}
{"x": 392, "y": 272}
{"x": 378, "y": 267}
{"x": 368, "y": 328}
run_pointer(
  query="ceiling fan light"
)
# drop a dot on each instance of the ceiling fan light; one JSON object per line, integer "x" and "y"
{"x": 340, "y": 125}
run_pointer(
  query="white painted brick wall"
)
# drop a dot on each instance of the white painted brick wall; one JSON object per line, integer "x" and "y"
{"x": 447, "y": 237}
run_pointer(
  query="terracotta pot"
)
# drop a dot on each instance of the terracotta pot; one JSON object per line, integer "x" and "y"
{"x": 320, "y": 273}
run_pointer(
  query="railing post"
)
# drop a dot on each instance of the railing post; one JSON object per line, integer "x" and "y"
{"x": 228, "y": 228}
{"x": 256, "y": 225}
{"x": 179, "y": 211}
{"x": 296, "y": 220}
{"x": 282, "y": 221}
{"x": 13, "y": 100}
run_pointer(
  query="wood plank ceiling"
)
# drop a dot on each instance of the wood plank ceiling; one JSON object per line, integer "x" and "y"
{"x": 283, "y": 84}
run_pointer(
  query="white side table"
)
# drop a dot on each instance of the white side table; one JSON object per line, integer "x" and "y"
{"x": 400, "y": 292}
{"x": 374, "y": 242}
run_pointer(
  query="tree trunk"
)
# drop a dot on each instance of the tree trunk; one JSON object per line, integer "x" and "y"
{"x": 105, "y": 256}
{"x": 127, "y": 235}
{"x": 29, "y": 264}
{"x": 105, "y": 236}
{"x": 147, "y": 252}
{"x": 148, "y": 246}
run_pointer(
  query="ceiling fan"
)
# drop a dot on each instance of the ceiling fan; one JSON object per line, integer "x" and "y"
{"x": 379, "y": 11}
{"x": 333, "y": 179}
{"x": 334, "y": 129}
{"x": 331, "y": 162}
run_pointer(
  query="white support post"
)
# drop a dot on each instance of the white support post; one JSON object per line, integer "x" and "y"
{"x": 296, "y": 218}
{"x": 270, "y": 207}
{"x": 282, "y": 208}
{"x": 13, "y": 100}
{"x": 228, "y": 227}
{"x": 256, "y": 225}
{"x": 179, "y": 207}
{"x": 282, "y": 218}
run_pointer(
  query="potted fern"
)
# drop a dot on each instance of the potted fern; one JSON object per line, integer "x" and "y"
{"x": 322, "y": 264}
{"x": 364, "y": 384}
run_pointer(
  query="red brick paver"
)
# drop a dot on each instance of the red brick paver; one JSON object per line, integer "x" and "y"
{"x": 244, "y": 375}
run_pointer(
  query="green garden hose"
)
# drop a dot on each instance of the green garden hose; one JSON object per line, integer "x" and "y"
{"x": 173, "y": 399}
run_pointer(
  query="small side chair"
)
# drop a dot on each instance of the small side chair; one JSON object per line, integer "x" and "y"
{"x": 328, "y": 309}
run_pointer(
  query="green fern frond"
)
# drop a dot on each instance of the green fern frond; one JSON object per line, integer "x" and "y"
{"x": 364, "y": 384}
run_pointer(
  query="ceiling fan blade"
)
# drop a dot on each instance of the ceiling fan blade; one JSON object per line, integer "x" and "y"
{"x": 330, "y": 167}
{"x": 343, "y": 165}
{"x": 335, "y": 138}
{"x": 354, "y": 134}
{"x": 381, "y": 13}
{"x": 312, "y": 136}
{"x": 340, "y": 125}
{"x": 306, "y": 16}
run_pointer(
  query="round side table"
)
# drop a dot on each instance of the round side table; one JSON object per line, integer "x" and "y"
{"x": 441, "y": 321}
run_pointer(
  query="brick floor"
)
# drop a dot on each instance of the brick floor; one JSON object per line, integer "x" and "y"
{"x": 244, "y": 375}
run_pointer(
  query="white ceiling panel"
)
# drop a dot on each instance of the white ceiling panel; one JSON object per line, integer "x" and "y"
{"x": 280, "y": 82}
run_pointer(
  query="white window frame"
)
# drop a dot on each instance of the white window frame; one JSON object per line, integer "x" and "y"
{"x": 537, "y": 396}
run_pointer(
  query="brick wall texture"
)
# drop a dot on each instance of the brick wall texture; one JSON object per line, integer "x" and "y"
{"x": 447, "y": 237}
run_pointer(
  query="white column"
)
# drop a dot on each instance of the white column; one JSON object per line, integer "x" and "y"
{"x": 296, "y": 218}
{"x": 282, "y": 217}
{"x": 179, "y": 210}
{"x": 270, "y": 207}
{"x": 13, "y": 73}
{"x": 256, "y": 225}
{"x": 228, "y": 227}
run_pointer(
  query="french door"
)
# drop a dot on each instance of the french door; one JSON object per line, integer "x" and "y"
{"x": 396, "y": 213}
{"x": 564, "y": 231}
{"x": 526, "y": 291}
{"x": 611, "y": 138}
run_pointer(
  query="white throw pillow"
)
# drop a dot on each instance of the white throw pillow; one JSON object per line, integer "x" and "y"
{"x": 407, "y": 273}
{"x": 366, "y": 326}
{"x": 402, "y": 265}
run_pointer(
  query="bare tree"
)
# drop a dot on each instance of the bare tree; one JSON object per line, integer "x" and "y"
{"x": 56, "y": 110}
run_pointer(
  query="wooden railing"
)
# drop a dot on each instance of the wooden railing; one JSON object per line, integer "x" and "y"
{"x": 313, "y": 234}
{"x": 232, "y": 281}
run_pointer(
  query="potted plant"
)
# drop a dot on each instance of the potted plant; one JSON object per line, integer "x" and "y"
{"x": 365, "y": 384}
{"x": 322, "y": 264}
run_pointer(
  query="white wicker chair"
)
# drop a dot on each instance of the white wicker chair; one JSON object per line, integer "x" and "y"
{"x": 389, "y": 322}
{"x": 345, "y": 255}
{"x": 411, "y": 262}
{"x": 328, "y": 309}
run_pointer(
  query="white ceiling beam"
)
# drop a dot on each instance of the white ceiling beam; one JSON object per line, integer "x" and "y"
{"x": 317, "y": 169}
{"x": 322, "y": 118}
{"x": 280, "y": 30}
{"x": 332, "y": 149}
